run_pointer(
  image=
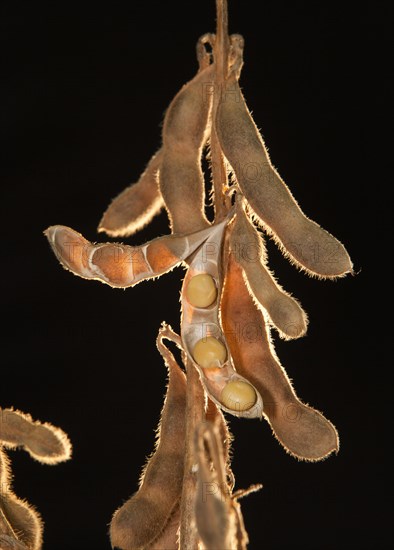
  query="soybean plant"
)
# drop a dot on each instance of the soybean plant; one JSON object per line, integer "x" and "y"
{"x": 227, "y": 285}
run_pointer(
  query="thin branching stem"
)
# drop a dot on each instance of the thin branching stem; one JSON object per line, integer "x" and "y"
{"x": 220, "y": 50}
{"x": 195, "y": 409}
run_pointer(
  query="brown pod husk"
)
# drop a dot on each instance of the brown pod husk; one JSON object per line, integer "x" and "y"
{"x": 200, "y": 324}
{"x": 216, "y": 417}
{"x": 20, "y": 524}
{"x": 10, "y": 543}
{"x": 284, "y": 311}
{"x": 169, "y": 539}
{"x": 137, "y": 205}
{"x": 118, "y": 265}
{"x": 6, "y": 529}
{"x": 185, "y": 131}
{"x": 211, "y": 512}
{"x": 143, "y": 518}
{"x": 214, "y": 517}
{"x": 4, "y": 467}
{"x": 25, "y": 521}
{"x": 241, "y": 533}
{"x": 303, "y": 431}
{"x": 308, "y": 245}
{"x": 42, "y": 441}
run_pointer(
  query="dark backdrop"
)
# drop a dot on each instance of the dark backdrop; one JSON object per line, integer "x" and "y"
{"x": 84, "y": 92}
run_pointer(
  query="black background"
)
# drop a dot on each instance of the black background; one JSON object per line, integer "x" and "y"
{"x": 84, "y": 92}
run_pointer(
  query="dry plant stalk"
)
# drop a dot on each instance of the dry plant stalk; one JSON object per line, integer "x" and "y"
{"x": 230, "y": 300}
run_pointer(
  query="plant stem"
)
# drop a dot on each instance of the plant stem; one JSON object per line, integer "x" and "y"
{"x": 195, "y": 414}
{"x": 195, "y": 404}
{"x": 220, "y": 53}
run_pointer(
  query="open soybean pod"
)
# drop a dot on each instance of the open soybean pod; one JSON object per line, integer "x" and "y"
{"x": 304, "y": 241}
{"x": 185, "y": 131}
{"x": 247, "y": 246}
{"x": 140, "y": 522}
{"x": 42, "y": 441}
{"x": 304, "y": 432}
{"x": 135, "y": 207}
{"x": 119, "y": 265}
{"x": 202, "y": 336}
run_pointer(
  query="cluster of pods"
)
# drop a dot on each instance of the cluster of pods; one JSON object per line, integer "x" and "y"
{"x": 230, "y": 299}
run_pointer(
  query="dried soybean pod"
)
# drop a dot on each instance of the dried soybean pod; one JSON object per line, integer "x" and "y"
{"x": 214, "y": 516}
{"x": 4, "y": 466}
{"x": 202, "y": 326}
{"x": 241, "y": 534}
{"x": 5, "y": 527}
{"x": 185, "y": 131}
{"x": 143, "y": 518}
{"x": 20, "y": 524}
{"x": 247, "y": 246}
{"x": 42, "y": 441}
{"x": 136, "y": 206}
{"x": 6, "y": 531}
{"x": 119, "y": 265}
{"x": 8, "y": 542}
{"x": 304, "y": 241}
{"x": 303, "y": 431}
{"x": 216, "y": 417}
{"x": 25, "y": 521}
{"x": 169, "y": 539}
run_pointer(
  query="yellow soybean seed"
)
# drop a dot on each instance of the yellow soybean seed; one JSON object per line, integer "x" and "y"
{"x": 201, "y": 290}
{"x": 208, "y": 352}
{"x": 238, "y": 395}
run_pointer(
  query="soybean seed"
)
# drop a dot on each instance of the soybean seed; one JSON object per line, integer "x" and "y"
{"x": 208, "y": 352}
{"x": 201, "y": 290}
{"x": 238, "y": 395}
